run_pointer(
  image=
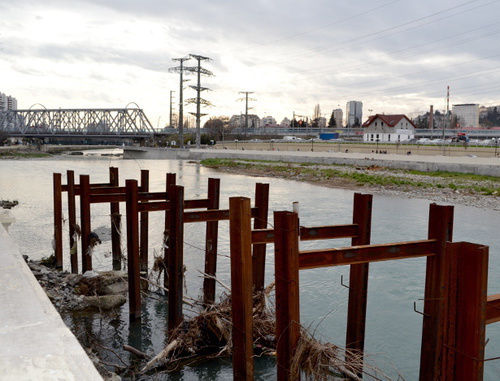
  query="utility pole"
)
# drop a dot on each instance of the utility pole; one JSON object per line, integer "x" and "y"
{"x": 198, "y": 100}
{"x": 431, "y": 118}
{"x": 246, "y": 104}
{"x": 171, "y": 92}
{"x": 447, "y": 118}
{"x": 180, "y": 69}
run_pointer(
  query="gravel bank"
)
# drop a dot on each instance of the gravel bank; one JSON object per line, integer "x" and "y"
{"x": 447, "y": 188}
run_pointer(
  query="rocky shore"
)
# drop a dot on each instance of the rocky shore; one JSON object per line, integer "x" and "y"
{"x": 74, "y": 292}
{"x": 451, "y": 188}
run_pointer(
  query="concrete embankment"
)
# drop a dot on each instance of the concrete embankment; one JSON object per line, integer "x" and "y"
{"x": 464, "y": 164}
{"x": 35, "y": 342}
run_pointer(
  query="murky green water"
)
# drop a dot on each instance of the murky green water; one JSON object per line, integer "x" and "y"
{"x": 393, "y": 328}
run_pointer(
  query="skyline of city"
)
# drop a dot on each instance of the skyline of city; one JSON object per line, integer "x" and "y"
{"x": 292, "y": 56}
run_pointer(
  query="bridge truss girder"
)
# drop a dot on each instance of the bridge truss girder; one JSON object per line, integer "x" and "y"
{"x": 76, "y": 122}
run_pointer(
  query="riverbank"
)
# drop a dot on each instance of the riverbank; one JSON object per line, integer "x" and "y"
{"x": 442, "y": 187}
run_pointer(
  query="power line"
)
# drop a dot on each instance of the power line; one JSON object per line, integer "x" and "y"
{"x": 349, "y": 43}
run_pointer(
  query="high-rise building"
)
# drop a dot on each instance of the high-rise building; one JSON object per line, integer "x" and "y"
{"x": 7, "y": 102}
{"x": 354, "y": 113}
{"x": 467, "y": 115}
{"x": 338, "y": 114}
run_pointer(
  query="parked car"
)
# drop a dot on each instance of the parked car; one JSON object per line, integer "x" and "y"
{"x": 422, "y": 141}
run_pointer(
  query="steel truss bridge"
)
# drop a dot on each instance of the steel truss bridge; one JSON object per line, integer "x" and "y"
{"x": 127, "y": 123}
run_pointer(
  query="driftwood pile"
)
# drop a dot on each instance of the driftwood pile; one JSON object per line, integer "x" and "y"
{"x": 208, "y": 335}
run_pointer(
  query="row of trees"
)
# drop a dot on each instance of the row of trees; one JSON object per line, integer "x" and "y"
{"x": 490, "y": 118}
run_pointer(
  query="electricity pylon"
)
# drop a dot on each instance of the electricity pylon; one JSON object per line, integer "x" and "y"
{"x": 198, "y": 100}
{"x": 180, "y": 69}
{"x": 246, "y": 104}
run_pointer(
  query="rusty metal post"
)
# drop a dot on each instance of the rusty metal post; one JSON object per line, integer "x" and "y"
{"x": 240, "y": 232}
{"x": 260, "y": 222}
{"x": 85, "y": 223}
{"x": 464, "y": 349}
{"x": 116, "y": 220}
{"x": 144, "y": 224}
{"x": 171, "y": 180}
{"x": 286, "y": 257}
{"x": 437, "y": 290}
{"x": 133, "y": 265}
{"x": 175, "y": 257}
{"x": 358, "y": 279}
{"x": 211, "y": 243}
{"x": 58, "y": 236}
{"x": 73, "y": 246}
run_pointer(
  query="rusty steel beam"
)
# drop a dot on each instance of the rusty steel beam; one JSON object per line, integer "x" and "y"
{"x": 311, "y": 259}
{"x": 58, "y": 220}
{"x": 152, "y": 196}
{"x": 309, "y": 233}
{"x": 206, "y": 215}
{"x": 470, "y": 312}
{"x": 493, "y": 309}
{"x": 85, "y": 222}
{"x": 170, "y": 181}
{"x": 116, "y": 249}
{"x": 437, "y": 289}
{"x": 358, "y": 281}
{"x": 241, "y": 287}
{"x": 176, "y": 257}
{"x": 260, "y": 222}
{"x": 133, "y": 259}
{"x": 144, "y": 224}
{"x": 73, "y": 246}
{"x": 110, "y": 189}
{"x": 155, "y": 206}
{"x": 78, "y": 188}
{"x": 286, "y": 259}
{"x": 107, "y": 198}
{"x": 211, "y": 244}
{"x": 328, "y": 232}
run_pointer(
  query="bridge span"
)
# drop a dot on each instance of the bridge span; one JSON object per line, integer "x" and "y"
{"x": 127, "y": 123}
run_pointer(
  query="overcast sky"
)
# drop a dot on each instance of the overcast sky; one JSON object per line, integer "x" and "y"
{"x": 396, "y": 56}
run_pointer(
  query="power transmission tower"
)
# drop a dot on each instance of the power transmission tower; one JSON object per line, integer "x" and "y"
{"x": 180, "y": 69}
{"x": 170, "y": 120}
{"x": 198, "y": 100}
{"x": 246, "y": 99}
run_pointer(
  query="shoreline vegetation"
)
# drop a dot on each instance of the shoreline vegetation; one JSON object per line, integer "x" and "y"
{"x": 449, "y": 187}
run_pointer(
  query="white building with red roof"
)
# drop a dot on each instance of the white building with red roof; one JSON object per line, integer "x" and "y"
{"x": 388, "y": 128}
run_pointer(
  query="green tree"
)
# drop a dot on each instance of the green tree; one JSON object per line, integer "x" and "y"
{"x": 332, "y": 122}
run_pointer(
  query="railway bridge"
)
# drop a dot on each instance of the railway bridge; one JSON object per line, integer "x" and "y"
{"x": 116, "y": 123}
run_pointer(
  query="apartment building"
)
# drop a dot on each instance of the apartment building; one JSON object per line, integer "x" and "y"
{"x": 467, "y": 115}
{"x": 7, "y": 102}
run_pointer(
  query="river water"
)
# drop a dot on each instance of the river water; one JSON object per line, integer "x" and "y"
{"x": 393, "y": 328}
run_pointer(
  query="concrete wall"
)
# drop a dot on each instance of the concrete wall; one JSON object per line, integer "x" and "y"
{"x": 464, "y": 164}
{"x": 35, "y": 344}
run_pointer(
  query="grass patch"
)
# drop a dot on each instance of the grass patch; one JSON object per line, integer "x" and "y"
{"x": 456, "y": 175}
